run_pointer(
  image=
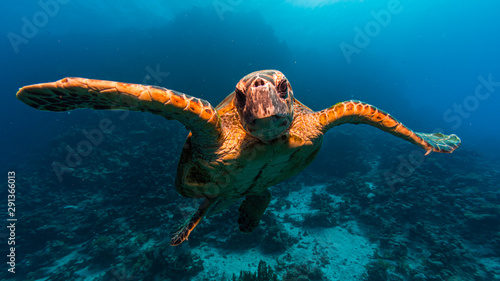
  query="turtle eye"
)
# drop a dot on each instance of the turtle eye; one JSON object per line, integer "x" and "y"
{"x": 283, "y": 89}
{"x": 240, "y": 97}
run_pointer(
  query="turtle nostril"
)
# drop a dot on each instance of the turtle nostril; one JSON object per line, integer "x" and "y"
{"x": 258, "y": 82}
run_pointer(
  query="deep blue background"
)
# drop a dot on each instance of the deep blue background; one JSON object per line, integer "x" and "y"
{"x": 422, "y": 64}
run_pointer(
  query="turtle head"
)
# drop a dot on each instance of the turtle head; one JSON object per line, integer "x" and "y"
{"x": 264, "y": 100}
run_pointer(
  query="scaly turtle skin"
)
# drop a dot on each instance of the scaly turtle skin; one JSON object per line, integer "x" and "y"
{"x": 256, "y": 137}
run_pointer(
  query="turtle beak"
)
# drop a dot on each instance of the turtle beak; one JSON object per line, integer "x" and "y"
{"x": 263, "y": 112}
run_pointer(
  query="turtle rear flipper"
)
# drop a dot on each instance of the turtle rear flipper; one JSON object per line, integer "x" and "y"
{"x": 357, "y": 112}
{"x": 195, "y": 114}
{"x": 252, "y": 209}
{"x": 187, "y": 227}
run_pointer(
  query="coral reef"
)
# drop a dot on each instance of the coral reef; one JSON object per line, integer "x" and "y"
{"x": 264, "y": 273}
{"x": 276, "y": 239}
{"x": 429, "y": 215}
{"x": 303, "y": 272}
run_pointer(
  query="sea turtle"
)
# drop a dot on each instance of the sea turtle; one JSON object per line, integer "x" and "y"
{"x": 256, "y": 137}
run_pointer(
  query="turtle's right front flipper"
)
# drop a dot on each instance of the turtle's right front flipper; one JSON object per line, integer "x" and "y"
{"x": 357, "y": 112}
{"x": 195, "y": 114}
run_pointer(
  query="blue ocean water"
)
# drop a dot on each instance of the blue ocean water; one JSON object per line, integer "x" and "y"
{"x": 434, "y": 65}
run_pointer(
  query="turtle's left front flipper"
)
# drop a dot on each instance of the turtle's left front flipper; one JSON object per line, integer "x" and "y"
{"x": 356, "y": 112}
{"x": 71, "y": 93}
